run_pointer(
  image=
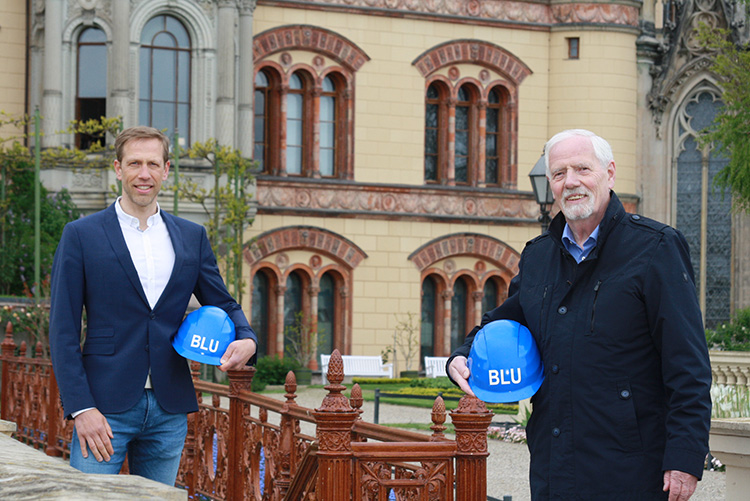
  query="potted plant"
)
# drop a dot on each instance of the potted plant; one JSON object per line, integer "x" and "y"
{"x": 301, "y": 342}
{"x": 405, "y": 337}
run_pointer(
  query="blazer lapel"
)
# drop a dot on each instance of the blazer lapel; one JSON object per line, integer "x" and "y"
{"x": 117, "y": 241}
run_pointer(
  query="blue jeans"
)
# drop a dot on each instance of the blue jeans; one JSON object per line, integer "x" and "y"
{"x": 151, "y": 437}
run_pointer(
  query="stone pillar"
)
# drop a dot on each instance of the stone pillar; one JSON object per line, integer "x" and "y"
{"x": 477, "y": 296}
{"x": 335, "y": 419}
{"x": 450, "y": 174}
{"x": 652, "y": 168}
{"x": 280, "y": 290}
{"x": 118, "y": 60}
{"x": 730, "y": 442}
{"x": 53, "y": 74}
{"x": 245, "y": 91}
{"x": 481, "y": 160}
{"x": 225, "y": 125}
{"x": 283, "y": 91}
{"x": 313, "y": 292}
{"x": 315, "y": 166}
{"x": 447, "y": 296}
{"x": 471, "y": 420}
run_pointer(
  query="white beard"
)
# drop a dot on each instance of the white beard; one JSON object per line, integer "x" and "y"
{"x": 578, "y": 211}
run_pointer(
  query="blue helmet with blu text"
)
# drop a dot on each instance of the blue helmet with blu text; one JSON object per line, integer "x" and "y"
{"x": 204, "y": 335}
{"x": 505, "y": 363}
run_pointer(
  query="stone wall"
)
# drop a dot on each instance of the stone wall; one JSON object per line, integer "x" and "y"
{"x": 30, "y": 474}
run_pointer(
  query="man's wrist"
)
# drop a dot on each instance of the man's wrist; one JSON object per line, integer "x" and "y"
{"x": 78, "y": 413}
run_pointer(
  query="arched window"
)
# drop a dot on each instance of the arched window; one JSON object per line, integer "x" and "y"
{"x": 296, "y": 123}
{"x": 165, "y": 76}
{"x": 260, "y": 311}
{"x": 326, "y": 314}
{"x": 91, "y": 89}
{"x": 496, "y": 141}
{"x": 429, "y": 302}
{"x": 703, "y": 213}
{"x": 435, "y": 133}
{"x": 459, "y": 307}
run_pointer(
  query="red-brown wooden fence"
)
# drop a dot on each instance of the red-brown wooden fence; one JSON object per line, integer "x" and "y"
{"x": 243, "y": 445}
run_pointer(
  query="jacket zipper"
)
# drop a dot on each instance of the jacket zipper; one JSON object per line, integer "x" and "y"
{"x": 593, "y": 307}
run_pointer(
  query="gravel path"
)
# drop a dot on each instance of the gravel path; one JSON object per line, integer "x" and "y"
{"x": 507, "y": 464}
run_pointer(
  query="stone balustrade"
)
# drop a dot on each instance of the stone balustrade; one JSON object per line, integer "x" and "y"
{"x": 730, "y": 367}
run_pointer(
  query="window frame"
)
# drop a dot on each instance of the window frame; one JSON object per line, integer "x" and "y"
{"x": 176, "y": 102}
{"x": 84, "y": 141}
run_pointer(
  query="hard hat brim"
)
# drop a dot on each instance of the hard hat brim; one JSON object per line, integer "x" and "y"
{"x": 504, "y": 397}
{"x": 192, "y": 355}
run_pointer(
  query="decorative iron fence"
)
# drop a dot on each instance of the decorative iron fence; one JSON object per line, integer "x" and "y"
{"x": 243, "y": 445}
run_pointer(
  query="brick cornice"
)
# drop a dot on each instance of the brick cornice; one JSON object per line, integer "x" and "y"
{"x": 305, "y": 37}
{"x": 387, "y": 201}
{"x": 478, "y": 52}
{"x": 472, "y": 244}
{"x": 304, "y": 237}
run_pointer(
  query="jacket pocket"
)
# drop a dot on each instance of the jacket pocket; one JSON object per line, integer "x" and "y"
{"x": 593, "y": 306}
{"x": 628, "y": 433}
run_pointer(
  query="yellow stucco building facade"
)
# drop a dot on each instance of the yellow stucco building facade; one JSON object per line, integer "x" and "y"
{"x": 394, "y": 138}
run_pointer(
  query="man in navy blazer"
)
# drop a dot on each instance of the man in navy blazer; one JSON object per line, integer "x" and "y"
{"x": 133, "y": 268}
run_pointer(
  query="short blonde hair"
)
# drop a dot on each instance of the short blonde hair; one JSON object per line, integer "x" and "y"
{"x": 140, "y": 132}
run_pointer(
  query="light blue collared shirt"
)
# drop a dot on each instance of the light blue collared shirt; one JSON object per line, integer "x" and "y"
{"x": 579, "y": 253}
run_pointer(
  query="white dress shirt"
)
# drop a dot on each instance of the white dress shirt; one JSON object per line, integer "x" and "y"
{"x": 152, "y": 254}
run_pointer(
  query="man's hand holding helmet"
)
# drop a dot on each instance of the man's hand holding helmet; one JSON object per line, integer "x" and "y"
{"x": 460, "y": 373}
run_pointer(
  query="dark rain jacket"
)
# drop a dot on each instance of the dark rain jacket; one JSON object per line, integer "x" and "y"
{"x": 627, "y": 373}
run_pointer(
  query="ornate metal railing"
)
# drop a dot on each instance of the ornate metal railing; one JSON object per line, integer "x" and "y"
{"x": 243, "y": 445}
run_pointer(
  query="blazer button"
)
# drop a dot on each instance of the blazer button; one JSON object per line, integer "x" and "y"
{"x": 562, "y": 310}
{"x": 555, "y": 369}
{"x": 625, "y": 394}
{"x": 152, "y": 315}
{"x": 556, "y": 432}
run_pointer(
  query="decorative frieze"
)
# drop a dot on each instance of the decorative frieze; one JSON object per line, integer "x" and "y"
{"x": 623, "y": 13}
{"x": 275, "y": 194}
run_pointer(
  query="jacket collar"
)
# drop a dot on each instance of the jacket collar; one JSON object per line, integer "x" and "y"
{"x": 614, "y": 213}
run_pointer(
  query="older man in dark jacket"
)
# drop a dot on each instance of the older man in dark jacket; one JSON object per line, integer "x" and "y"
{"x": 624, "y": 410}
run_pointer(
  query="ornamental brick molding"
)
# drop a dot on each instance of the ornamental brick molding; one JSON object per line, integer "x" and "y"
{"x": 304, "y": 237}
{"x": 313, "y": 38}
{"x": 478, "y": 52}
{"x": 522, "y": 14}
{"x": 393, "y": 202}
{"x": 473, "y": 244}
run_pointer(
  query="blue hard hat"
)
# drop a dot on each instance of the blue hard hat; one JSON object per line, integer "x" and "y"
{"x": 505, "y": 363}
{"x": 204, "y": 335}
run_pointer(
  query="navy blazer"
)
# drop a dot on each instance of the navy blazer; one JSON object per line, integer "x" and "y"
{"x": 92, "y": 269}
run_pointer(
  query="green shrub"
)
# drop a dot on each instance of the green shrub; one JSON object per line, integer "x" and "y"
{"x": 733, "y": 336}
{"x": 438, "y": 382}
{"x": 380, "y": 380}
{"x": 273, "y": 370}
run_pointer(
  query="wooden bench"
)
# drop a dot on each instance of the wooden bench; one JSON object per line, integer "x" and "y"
{"x": 359, "y": 365}
{"x": 435, "y": 366}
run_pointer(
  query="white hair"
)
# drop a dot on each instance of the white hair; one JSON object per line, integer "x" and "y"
{"x": 602, "y": 149}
